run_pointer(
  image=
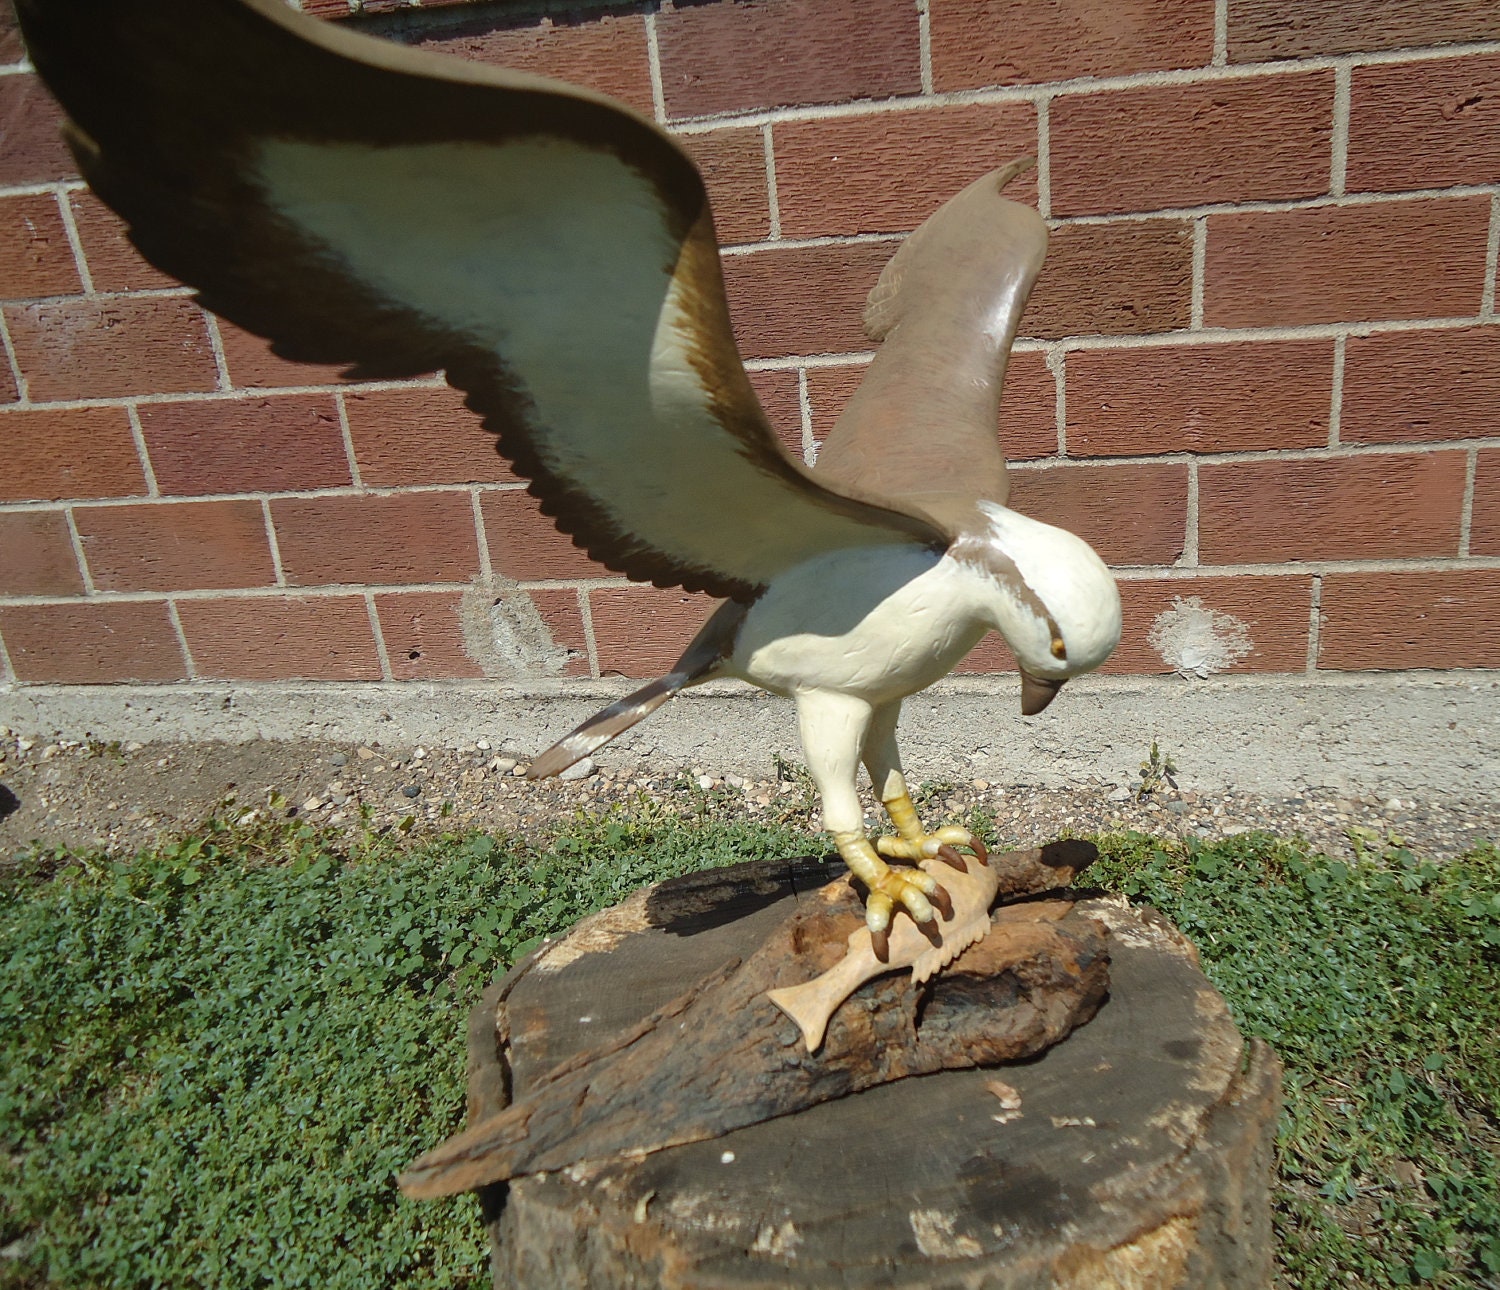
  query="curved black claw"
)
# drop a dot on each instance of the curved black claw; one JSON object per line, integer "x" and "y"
{"x": 943, "y": 903}
{"x": 949, "y": 856}
{"x": 880, "y": 942}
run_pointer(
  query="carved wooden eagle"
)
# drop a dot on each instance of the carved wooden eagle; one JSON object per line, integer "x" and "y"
{"x": 554, "y": 253}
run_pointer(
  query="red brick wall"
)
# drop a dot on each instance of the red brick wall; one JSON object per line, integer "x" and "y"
{"x": 1261, "y": 368}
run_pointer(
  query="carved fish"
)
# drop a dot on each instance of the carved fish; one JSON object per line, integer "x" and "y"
{"x": 972, "y": 891}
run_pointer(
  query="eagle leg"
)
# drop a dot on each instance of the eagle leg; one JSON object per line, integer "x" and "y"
{"x": 914, "y": 843}
{"x": 834, "y": 728}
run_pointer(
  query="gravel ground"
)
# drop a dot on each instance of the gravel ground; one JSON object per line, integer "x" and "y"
{"x": 126, "y": 796}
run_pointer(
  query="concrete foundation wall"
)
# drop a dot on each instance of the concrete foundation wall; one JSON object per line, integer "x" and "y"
{"x": 1412, "y": 733}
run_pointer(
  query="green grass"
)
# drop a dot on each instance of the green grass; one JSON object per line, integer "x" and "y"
{"x": 218, "y": 1053}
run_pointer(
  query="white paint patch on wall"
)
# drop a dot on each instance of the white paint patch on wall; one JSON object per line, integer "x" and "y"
{"x": 505, "y": 634}
{"x": 1198, "y": 641}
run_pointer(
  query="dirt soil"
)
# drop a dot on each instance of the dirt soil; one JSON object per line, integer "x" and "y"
{"x": 125, "y": 797}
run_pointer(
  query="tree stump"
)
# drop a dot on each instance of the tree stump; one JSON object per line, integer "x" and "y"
{"x": 1136, "y": 1153}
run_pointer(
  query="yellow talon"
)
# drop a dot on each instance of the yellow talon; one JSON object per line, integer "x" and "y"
{"x": 914, "y": 890}
{"x": 915, "y": 843}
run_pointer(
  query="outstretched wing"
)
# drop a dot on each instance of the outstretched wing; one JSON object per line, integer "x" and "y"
{"x": 359, "y": 202}
{"x": 922, "y": 427}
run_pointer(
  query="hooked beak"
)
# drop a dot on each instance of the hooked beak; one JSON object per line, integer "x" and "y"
{"x": 1036, "y": 693}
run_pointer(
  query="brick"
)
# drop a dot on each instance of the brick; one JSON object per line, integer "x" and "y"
{"x": 31, "y": 146}
{"x": 8, "y": 391}
{"x": 1261, "y": 30}
{"x": 113, "y": 263}
{"x": 1013, "y": 42}
{"x": 421, "y": 435}
{"x": 1484, "y": 531}
{"x": 92, "y": 643}
{"x": 35, "y": 257}
{"x": 1382, "y": 506}
{"x": 1028, "y": 405}
{"x": 737, "y": 57}
{"x": 1429, "y": 124}
{"x": 989, "y": 657}
{"x": 607, "y": 54}
{"x": 1272, "y": 612}
{"x": 1417, "y": 259}
{"x": 1244, "y": 397}
{"x": 525, "y": 544}
{"x": 84, "y": 349}
{"x": 1131, "y": 515}
{"x": 1127, "y": 278}
{"x": 252, "y": 365}
{"x": 271, "y": 638}
{"x": 246, "y": 445}
{"x": 564, "y": 619}
{"x": 175, "y": 546}
{"x": 802, "y": 300}
{"x": 733, "y": 165}
{"x": 885, "y": 172}
{"x": 402, "y": 538}
{"x": 1028, "y": 408}
{"x": 1262, "y": 137}
{"x": 1402, "y": 620}
{"x": 641, "y": 631}
{"x": 424, "y": 636}
{"x": 56, "y": 453}
{"x": 36, "y": 555}
{"x": 781, "y": 399}
{"x": 829, "y": 390}
{"x": 1421, "y": 385}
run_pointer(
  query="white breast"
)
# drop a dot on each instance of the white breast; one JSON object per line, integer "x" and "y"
{"x": 876, "y": 622}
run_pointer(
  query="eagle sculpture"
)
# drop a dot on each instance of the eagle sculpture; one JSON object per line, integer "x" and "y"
{"x": 554, "y": 254}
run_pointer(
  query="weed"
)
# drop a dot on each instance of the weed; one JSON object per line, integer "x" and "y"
{"x": 1156, "y": 773}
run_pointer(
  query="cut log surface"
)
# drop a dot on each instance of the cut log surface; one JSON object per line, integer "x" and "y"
{"x": 1136, "y": 1153}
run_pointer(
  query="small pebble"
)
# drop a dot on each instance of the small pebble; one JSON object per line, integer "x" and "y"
{"x": 339, "y": 759}
{"x": 364, "y": 754}
{"x": 482, "y": 744}
{"x": 412, "y": 790}
{"x": 579, "y": 770}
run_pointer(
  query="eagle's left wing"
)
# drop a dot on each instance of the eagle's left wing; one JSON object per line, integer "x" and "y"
{"x": 402, "y": 212}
